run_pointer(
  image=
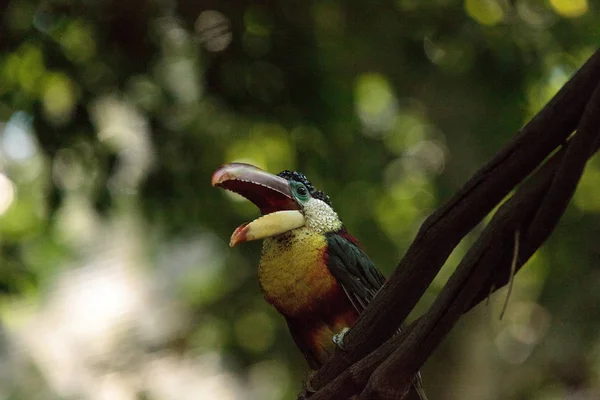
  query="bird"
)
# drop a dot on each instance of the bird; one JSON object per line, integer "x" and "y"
{"x": 311, "y": 269}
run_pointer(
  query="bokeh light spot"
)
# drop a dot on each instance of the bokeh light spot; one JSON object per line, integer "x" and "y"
{"x": 16, "y": 140}
{"x": 255, "y": 331}
{"x": 375, "y": 103}
{"x": 540, "y": 92}
{"x": 209, "y": 334}
{"x": 180, "y": 75}
{"x": 527, "y": 326}
{"x": 426, "y": 157}
{"x": 58, "y": 98}
{"x": 267, "y": 146}
{"x": 7, "y": 193}
{"x": 77, "y": 41}
{"x": 485, "y": 12}
{"x": 214, "y": 31}
{"x": 570, "y": 8}
{"x": 406, "y": 202}
{"x": 408, "y": 130}
{"x": 30, "y": 68}
{"x": 144, "y": 92}
{"x": 452, "y": 55}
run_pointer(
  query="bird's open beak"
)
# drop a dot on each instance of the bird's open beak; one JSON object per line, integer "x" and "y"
{"x": 270, "y": 193}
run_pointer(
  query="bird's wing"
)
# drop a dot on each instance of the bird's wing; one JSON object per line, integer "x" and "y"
{"x": 354, "y": 270}
{"x": 361, "y": 281}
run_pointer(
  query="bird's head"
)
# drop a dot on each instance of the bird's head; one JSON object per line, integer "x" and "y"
{"x": 287, "y": 201}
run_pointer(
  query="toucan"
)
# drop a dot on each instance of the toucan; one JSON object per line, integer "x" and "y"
{"x": 311, "y": 269}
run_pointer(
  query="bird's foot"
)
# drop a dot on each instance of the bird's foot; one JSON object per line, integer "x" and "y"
{"x": 303, "y": 395}
{"x": 307, "y": 388}
{"x": 338, "y": 338}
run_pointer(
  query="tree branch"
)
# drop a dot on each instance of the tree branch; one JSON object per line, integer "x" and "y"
{"x": 357, "y": 375}
{"x": 492, "y": 252}
{"x": 444, "y": 229}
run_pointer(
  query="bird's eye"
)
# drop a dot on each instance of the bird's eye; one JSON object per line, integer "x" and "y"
{"x": 302, "y": 191}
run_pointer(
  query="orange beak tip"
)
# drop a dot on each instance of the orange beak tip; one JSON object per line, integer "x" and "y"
{"x": 239, "y": 235}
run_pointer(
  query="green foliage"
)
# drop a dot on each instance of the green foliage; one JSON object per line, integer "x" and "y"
{"x": 115, "y": 274}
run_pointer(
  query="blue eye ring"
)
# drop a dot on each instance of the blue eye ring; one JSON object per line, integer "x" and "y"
{"x": 300, "y": 192}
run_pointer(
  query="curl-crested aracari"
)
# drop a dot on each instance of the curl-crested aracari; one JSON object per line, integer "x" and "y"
{"x": 311, "y": 269}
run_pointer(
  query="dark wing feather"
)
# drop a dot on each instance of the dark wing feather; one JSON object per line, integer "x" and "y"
{"x": 360, "y": 279}
{"x": 354, "y": 270}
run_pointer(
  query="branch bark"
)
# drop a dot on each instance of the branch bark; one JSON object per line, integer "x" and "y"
{"x": 546, "y": 197}
{"x": 534, "y": 210}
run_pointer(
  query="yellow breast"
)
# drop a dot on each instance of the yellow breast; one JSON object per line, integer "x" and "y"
{"x": 292, "y": 271}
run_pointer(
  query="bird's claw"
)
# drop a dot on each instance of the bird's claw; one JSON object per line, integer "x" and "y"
{"x": 307, "y": 388}
{"x": 303, "y": 395}
{"x": 338, "y": 338}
